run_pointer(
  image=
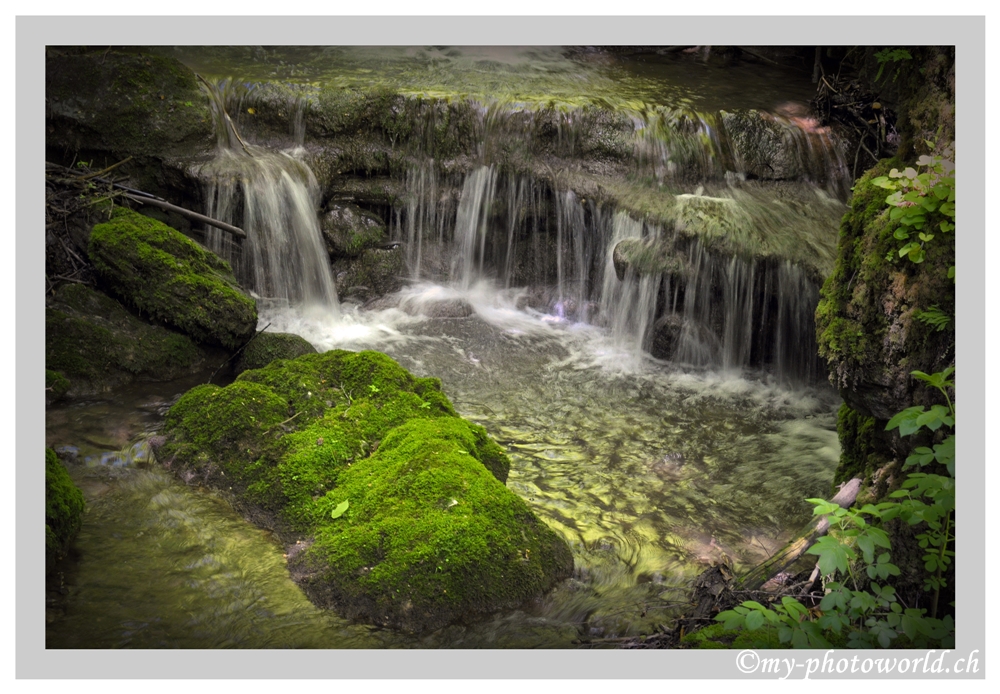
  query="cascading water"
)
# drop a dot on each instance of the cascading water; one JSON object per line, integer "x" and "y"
{"x": 651, "y": 472}
{"x": 274, "y": 197}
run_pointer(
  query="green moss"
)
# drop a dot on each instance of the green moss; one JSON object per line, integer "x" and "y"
{"x": 125, "y": 102}
{"x": 63, "y": 508}
{"x": 56, "y": 384}
{"x": 858, "y": 445}
{"x": 430, "y": 535}
{"x": 172, "y": 279}
{"x": 267, "y": 347}
{"x": 92, "y": 341}
{"x": 425, "y": 487}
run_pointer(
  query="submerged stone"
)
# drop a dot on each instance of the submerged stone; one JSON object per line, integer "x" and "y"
{"x": 399, "y": 503}
{"x": 172, "y": 279}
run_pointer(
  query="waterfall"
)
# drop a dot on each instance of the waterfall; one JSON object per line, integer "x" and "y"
{"x": 472, "y": 226}
{"x": 273, "y": 196}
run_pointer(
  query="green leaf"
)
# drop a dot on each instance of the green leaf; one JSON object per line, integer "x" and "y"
{"x": 339, "y": 510}
{"x": 755, "y": 620}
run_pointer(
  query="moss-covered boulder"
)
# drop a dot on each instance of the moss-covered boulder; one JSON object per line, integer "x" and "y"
{"x": 395, "y": 507}
{"x": 267, "y": 347}
{"x": 869, "y": 319}
{"x": 63, "y": 509}
{"x": 92, "y": 344}
{"x": 172, "y": 279}
{"x": 124, "y": 102}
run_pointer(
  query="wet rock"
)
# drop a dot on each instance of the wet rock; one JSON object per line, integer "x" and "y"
{"x": 667, "y": 332}
{"x": 646, "y": 257}
{"x": 266, "y": 347}
{"x": 445, "y": 308}
{"x": 348, "y": 230}
{"x": 170, "y": 278}
{"x": 373, "y": 273}
{"x": 92, "y": 344}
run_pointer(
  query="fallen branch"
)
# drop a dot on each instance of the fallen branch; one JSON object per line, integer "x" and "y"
{"x": 805, "y": 539}
{"x": 194, "y": 216}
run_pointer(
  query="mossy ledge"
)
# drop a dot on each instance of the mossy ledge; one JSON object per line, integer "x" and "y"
{"x": 172, "y": 279}
{"x": 430, "y": 535}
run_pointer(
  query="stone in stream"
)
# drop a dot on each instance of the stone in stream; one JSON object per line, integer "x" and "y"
{"x": 92, "y": 345}
{"x": 395, "y": 506}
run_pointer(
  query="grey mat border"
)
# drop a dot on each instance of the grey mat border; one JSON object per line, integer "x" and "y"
{"x": 33, "y": 33}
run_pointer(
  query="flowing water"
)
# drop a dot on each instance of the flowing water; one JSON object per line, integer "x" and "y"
{"x": 652, "y": 469}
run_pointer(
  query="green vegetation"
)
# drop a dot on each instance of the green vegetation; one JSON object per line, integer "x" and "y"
{"x": 862, "y": 605}
{"x": 868, "y": 321}
{"x": 136, "y": 103}
{"x": 172, "y": 279}
{"x": 405, "y": 501}
{"x": 63, "y": 508}
{"x": 92, "y": 344}
{"x": 921, "y": 203}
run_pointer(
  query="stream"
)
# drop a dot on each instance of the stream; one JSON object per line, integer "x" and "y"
{"x": 650, "y": 472}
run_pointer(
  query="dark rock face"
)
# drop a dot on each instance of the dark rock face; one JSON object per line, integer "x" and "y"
{"x": 124, "y": 103}
{"x": 666, "y": 336}
{"x": 172, "y": 279}
{"x": 267, "y": 347}
{"x": 92, "y": 344}
{"x": 348, "y": 230}
{"x": 373, "y": 273}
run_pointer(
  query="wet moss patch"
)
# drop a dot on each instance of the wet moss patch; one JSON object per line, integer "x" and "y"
{"x": 172, "y": 279}
{"x": 429, "y": 534}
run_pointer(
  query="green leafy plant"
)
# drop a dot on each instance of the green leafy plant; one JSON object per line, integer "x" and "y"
{"x": 871, "y": 615}
{"x": 934, "y": 317}
{"x": 891, "y": 55}
{"x": 922, "y": 203}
